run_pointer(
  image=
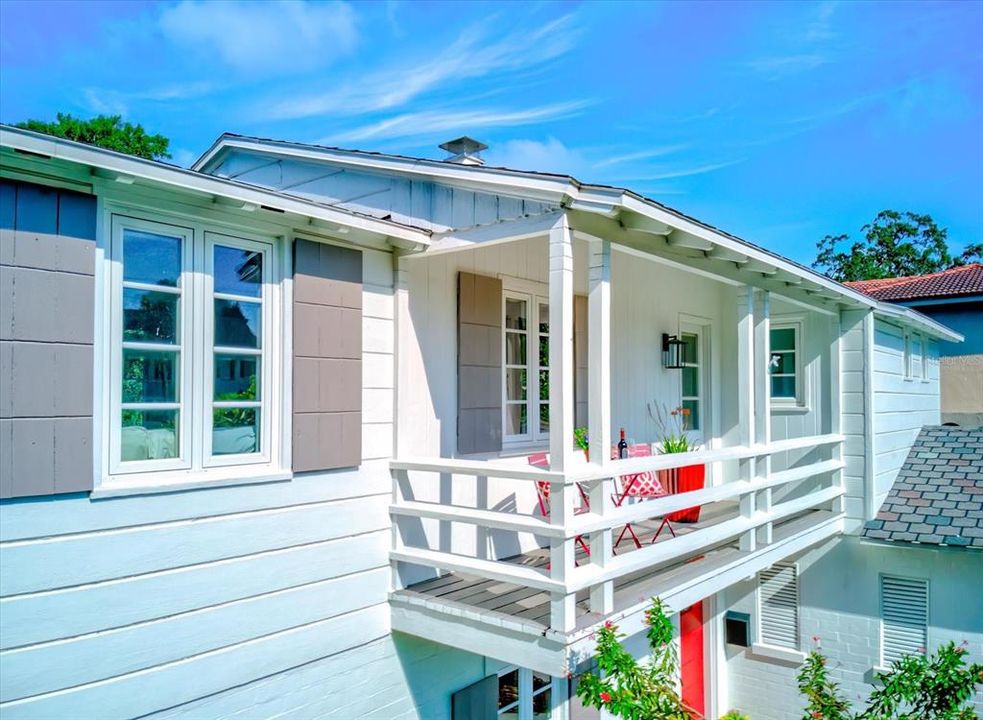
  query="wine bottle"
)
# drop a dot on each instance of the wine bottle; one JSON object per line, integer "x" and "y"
{"x": 622, "y": 446}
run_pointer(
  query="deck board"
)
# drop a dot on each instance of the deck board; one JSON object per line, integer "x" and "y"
{"x": 534, "y": 605}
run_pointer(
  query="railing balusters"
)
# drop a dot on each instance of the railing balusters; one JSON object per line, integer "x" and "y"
{"x": 562, "y": 557}
{"x": 601, "y": 546}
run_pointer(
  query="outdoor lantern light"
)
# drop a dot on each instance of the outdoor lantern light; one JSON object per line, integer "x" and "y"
{"x": 672, "y": 351}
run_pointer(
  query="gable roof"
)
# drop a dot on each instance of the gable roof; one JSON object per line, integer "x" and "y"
{"x": 127, "y": 168}
{"x": 627, "y": 207}
{"x": 964, "y": 280}
{"x": 937, "y": 498}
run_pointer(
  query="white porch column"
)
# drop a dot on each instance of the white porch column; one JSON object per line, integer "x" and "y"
{"x": 835, "y": 405}
{"x": 745, "y": 401}
{"x": 762, "y": 403}
{"x": 562, "y": 605}
{"x": 599, "y": 410}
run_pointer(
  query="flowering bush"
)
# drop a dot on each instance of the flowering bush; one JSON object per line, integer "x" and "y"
{"x": 630, "y": 690}
{"x": 917, "y": 687}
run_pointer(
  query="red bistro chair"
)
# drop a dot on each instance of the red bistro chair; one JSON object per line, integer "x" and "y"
{"x": 542, "y": 461}
{"x": 643, "y": 485}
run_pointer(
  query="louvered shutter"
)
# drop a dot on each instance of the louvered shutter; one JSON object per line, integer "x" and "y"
{"x": 904, "y": 617}
{"x": 476, "y": 702}
{"x": 479, "y": 364}
{"x": 778, "y": 596}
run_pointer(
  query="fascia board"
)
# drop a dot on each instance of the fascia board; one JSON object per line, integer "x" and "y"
{"x": 156, "y": 172}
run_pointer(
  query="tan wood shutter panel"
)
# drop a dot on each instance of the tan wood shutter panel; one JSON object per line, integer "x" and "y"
{"x": 327, "y": 343}
{"x": 476, "y": 702}
{"x": 479, "y": 364}
{"x": 580, "y": 392}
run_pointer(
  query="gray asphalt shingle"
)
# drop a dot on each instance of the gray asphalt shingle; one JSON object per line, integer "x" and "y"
{"x": 937, "y": 498}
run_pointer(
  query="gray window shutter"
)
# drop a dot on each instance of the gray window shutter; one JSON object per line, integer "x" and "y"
{"x": 476, "y": 702}
{"x": 479, "y": 364}
{"x": 47, "y": 322}
{"x": 327, "y": 362}
{"x": 580, "y": 389}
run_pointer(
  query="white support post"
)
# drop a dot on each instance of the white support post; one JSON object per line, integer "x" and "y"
{"x": 562, "y": 605}
{"x": 561, "y": 345}
{"x": 599, "y": 409}
{"x": 401, "y": 479}
{"x": 404, "y": 334}
{"x": 745, "y": 402}
{"x": 480, "y": 531}
{"x": 762, "y": 404}
{"x": 835, "y": 406}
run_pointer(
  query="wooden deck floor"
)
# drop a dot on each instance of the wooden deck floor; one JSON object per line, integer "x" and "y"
{"x": 534, "y": 605}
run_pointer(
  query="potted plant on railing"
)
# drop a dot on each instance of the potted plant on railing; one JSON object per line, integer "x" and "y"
{"x": 672, "y": 429}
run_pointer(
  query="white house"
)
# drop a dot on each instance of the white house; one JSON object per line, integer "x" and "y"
{"x": 272, "y": 435}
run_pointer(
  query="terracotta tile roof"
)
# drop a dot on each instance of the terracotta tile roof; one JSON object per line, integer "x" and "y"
{"x": 965, "y": 280}
{"x": 937, "y": 498}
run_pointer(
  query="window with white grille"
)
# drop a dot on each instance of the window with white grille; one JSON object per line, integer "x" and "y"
{"x": 778, "y": 606}
{"x": 904, "y": 617}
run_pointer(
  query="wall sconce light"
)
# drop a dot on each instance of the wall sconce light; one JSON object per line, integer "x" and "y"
{"x": 672, "y": 352}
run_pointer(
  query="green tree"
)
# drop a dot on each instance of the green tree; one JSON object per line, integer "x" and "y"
{"x": 916, "y": 687}
{"x": 105, "y": 131}
{"x": 895, "y": 244}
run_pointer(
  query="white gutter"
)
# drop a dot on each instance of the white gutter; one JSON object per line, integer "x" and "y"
{"x": 607, "y": 201}
{"x": 129, "y": 167}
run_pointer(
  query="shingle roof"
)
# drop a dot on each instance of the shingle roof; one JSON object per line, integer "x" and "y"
{"x": 965, "y": 280}
{"x": 937, "y": 498}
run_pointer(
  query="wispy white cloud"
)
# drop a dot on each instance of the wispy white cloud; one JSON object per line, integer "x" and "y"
{"x": 263, "y": 37}
{"x": 550, "y": 155}
{"x": 640, "y": 155}
{"x": 427, "y": 122}
{"x": 779, "y": 66}
{"x": 472, "y": 55}
{"x": 686, "y": 171}
{"x": 114, "y": 102}
{"x": 820, "y": 28}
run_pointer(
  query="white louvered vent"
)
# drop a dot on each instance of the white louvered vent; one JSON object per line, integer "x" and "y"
{"x": 778, "y": 606}
{"x": 904, "y": 617}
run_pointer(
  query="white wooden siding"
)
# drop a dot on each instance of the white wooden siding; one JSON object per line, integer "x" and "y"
{"x": 901, "y": 406}
{"x": 421, "y": 203}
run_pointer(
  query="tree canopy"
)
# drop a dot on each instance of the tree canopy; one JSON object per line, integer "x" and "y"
{"x": 895, "y": 244}
{"x": 105, "y": 131}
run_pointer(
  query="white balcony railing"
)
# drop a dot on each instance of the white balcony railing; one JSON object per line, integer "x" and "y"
{"x": 749, "y": 525}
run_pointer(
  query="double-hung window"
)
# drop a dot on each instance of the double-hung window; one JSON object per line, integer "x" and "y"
{"x": 191, "y": 351}
{"x": 785, "y": 364}
{"x": 524, "y": 695}
{"x": 692, "y": 381}
{"x": 527, "y": 375}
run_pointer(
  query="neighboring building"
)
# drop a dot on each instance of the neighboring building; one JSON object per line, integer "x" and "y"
{"x": 953, "y": 297}
{"x": 266, "y": 430}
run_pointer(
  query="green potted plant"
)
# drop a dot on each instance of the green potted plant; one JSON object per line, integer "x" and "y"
{"x": 673, "y": 439}
{"x": 581, "y": 440}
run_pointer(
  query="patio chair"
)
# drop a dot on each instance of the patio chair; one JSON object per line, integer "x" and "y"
{"x": 541, "y": 460}
{"x": 643, "y": 485}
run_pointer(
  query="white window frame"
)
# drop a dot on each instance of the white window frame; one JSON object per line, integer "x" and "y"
{"x": 925, "y": 354}
{"x": 701, "y": 333}
{"x": 907, "y": 360}
{"x": 799, "y": 401}
{"x": 880, "y": 602}
{"x": 194, "y": 464}
{"x": 533, "y": 296}
{"x": 526, "y": 694}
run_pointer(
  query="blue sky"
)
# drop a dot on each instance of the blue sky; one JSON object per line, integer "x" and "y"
{"x": 780, "y": 122}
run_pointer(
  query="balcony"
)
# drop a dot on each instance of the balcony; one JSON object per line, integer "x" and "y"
{"x": 477, "y": 566}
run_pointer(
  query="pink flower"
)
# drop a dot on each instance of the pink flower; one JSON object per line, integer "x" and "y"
{"x": 608, "y": 624}
{"x": 605, "y": 697}
{"x": 815, "y": 638}
{"x": 816, "y": 714}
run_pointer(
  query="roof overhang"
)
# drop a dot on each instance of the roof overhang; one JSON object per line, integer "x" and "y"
{"x": 633, "y": 218}
{"x": 110, "y": 165}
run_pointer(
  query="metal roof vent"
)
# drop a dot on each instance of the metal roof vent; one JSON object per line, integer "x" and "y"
{"x": 464, "y": 151}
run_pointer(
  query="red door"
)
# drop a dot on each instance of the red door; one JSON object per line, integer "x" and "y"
{"x": 691, "y": 660}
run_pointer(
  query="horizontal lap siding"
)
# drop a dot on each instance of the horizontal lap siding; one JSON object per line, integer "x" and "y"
{"x": 130, "y": 606}
{"x": 139, "y": 619}
{"x": 901, "y": 406}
